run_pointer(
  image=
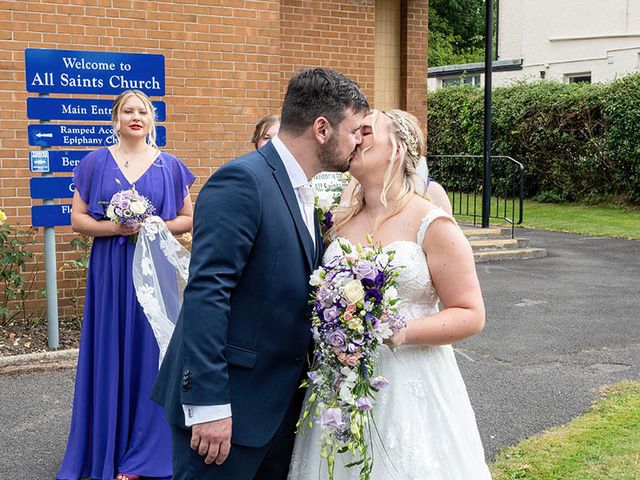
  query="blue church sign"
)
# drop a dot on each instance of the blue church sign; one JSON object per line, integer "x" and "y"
{"x": 72, "y": 71}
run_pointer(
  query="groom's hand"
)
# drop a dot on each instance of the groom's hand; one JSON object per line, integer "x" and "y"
{"x": 212, "y": 440}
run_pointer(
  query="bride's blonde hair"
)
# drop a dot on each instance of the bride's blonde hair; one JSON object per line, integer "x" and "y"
{"x": 407, "y": 141}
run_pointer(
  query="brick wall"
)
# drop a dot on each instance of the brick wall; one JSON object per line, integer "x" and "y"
{"x": 222, "y": 73}
{"x": 414, "y": 36}
{"x": 335, "y": 33}
{"x": 227, "y": 64}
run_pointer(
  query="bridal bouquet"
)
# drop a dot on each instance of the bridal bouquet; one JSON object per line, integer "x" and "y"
{"x": 128, "y": 207}
{"x": 354, "y": 311}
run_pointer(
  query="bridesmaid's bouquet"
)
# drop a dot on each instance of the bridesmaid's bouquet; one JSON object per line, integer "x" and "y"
{"x": 354, "y": 311}
{"x": 128, "y": 207}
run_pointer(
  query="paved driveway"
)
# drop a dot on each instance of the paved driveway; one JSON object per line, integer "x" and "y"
{"x": 558, "y": 328}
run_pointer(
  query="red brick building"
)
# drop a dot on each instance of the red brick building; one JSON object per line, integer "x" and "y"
{"x": 227, "y": 64}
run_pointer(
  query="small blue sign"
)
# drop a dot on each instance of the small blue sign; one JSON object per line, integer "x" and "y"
{"x": 45, "y": 161}
{"x": 46, "y": 108}
{"x": 39, "y": 161}
{"x": 74, "y": 71}
{"x": 51, "y": 187}
{"x": 51, "y": 215}
{"x": 75, "y": 135}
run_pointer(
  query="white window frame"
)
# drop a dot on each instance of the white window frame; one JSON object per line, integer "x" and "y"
{"x": 573, "y": 77}
{"x": 464, "y": 79}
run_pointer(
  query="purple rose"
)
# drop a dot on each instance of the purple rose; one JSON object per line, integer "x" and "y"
{"x": 330, "y": 314}
{"x": 364, "y": 403}
{"x": 379, "y": 382}
{"x": 312, "y": 376}
{"x": 365, "y": 269}
{"x": 337, "y": 339}
{"x": 325, "y": 297}
{"x": 332, "y": 418}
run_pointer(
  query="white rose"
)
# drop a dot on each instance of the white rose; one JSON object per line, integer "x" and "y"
{"x": 137, "y": 207}
{"x": 111, "y": 214}
{"x": 324, "y": 203}
{"x": 317, "y": 277}
{"x": 353, "y": 291}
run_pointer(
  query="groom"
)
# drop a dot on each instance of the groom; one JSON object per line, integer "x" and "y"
{"x": 229, "y": 380}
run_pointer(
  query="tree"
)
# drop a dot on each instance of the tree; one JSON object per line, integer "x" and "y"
{"x": 456, "y": 31}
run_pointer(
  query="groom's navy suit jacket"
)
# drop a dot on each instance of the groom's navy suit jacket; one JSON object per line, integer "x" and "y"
{"x": 243, "y": 332}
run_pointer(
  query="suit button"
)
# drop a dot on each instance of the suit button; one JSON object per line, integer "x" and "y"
{"x": 299, "y": 361}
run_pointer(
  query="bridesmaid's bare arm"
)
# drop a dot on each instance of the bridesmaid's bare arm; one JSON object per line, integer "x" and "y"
{"x": 184, "y": 221}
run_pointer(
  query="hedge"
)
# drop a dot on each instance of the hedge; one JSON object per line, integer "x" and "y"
{"x": 578, "y": 142}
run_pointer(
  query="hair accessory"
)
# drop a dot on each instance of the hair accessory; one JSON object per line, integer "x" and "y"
{"x": 409, "y": 135}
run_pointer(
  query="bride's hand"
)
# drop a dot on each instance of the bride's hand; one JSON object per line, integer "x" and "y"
{"x": 397, "y": 339}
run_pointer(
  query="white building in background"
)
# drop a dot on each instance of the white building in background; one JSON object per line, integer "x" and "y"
{"x": 565, "y": 40}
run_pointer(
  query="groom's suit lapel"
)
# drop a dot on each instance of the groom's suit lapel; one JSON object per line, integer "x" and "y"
{"x": 284, "y": 183}
{"x": 319, "y": 250}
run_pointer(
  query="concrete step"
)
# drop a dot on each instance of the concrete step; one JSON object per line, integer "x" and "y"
{"x": 509, "y": 254}
{"x": 477, "y": 232}
{"x": 497, "y": 243}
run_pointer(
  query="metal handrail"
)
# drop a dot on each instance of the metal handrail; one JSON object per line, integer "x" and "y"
{"x": 465, "y": 186}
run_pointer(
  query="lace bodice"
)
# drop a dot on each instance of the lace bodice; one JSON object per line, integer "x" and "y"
{"x": 415, "y": 288}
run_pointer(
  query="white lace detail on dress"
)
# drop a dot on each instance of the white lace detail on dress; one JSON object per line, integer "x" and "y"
{"x": 160, "y": 273}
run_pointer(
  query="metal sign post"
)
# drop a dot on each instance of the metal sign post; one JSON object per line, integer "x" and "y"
{"x": 50, "y": 270}
{"x": 76, "y": 72}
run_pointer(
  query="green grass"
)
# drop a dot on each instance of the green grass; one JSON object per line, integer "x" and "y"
{"x": 597, "y": 220}
{"x": 602, "y": 444}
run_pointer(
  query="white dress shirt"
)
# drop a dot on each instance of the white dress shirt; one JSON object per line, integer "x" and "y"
{"x": 302, "y": 186}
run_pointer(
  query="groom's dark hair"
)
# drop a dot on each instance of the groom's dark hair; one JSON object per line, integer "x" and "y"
{"x": 319, "y": 92}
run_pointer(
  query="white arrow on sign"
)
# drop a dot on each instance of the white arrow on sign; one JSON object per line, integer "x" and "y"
{"x": 50, "y": 135}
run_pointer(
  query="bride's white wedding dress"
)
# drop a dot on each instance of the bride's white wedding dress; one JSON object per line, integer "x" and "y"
{"x": 424, "y": 418}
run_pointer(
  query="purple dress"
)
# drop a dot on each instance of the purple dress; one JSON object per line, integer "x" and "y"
{"x": 115, "y": 426}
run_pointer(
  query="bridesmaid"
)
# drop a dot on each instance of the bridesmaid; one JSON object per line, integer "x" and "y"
{"x": 116, "y": 430}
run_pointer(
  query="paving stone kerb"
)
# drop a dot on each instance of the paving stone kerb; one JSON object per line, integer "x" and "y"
{"x": 38, "y": 361}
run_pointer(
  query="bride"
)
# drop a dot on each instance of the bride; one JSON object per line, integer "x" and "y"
{"x": 425, "y": 425}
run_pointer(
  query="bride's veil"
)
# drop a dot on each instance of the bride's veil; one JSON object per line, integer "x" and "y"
{"x": 160, "y": 272}
{"x": 420, "y": 176}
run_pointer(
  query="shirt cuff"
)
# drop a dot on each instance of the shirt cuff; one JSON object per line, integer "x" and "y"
{"x": 194, "y": 414}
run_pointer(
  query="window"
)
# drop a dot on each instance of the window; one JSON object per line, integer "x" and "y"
{"x": 461, "y": 80}
{"x": 578, "y": 77}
